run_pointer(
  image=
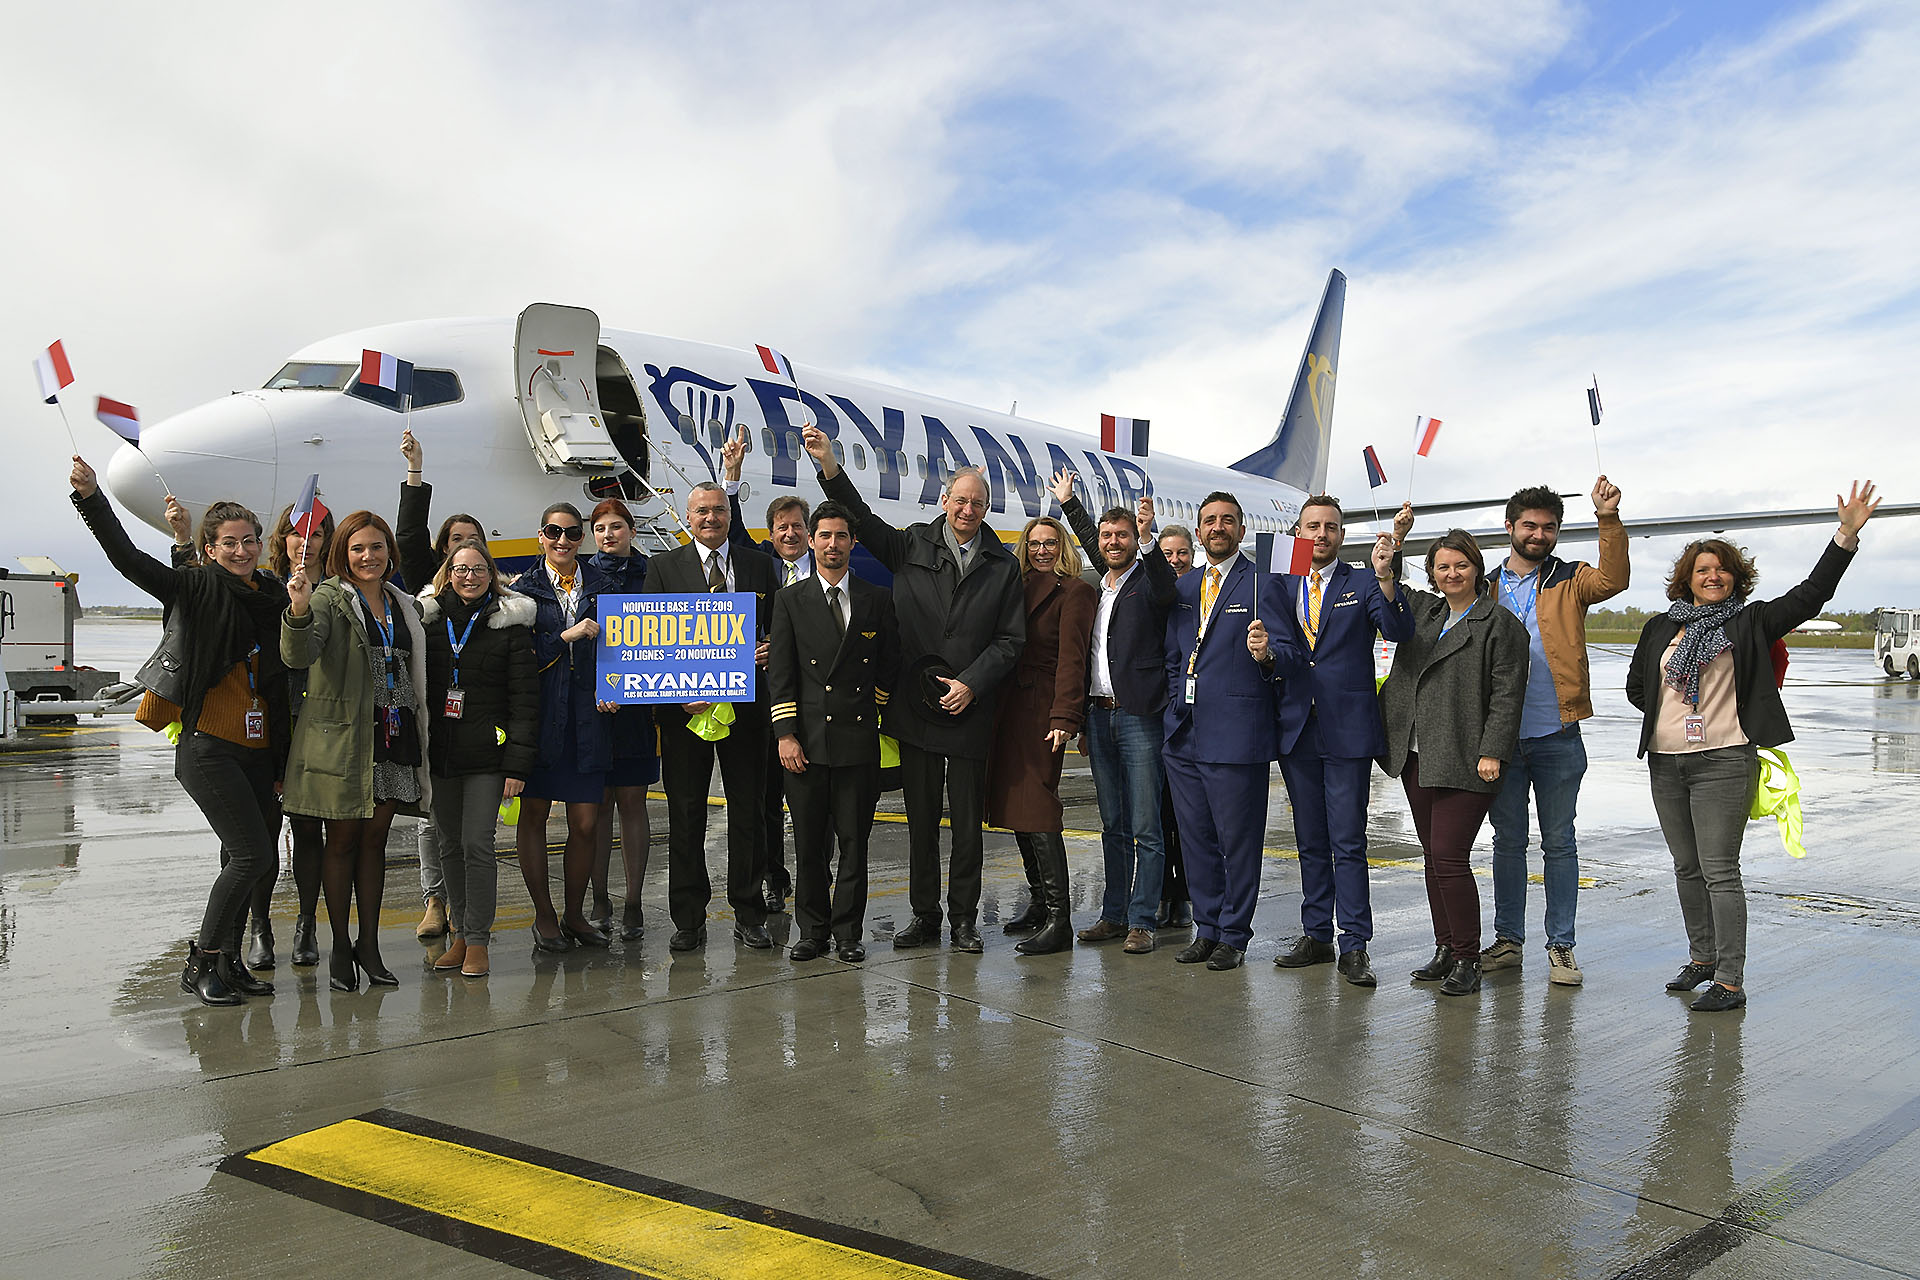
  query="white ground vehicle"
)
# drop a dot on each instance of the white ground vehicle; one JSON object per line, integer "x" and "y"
{"x": 1896, "y": 641}
{"x": 37, "y": 613}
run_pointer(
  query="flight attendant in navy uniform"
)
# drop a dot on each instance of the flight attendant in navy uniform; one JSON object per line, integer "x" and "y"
{"x": 1221, "y": 737}
{"x": 833, "y": 658}
{"x": 1331, "y": 731}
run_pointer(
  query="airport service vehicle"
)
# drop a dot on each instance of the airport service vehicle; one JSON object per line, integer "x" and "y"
{"x": 1896, "y": 641}
{"x": 37, "y": 611}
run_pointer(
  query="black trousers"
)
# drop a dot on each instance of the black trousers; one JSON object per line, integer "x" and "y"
{"x": 934, "y": 786}
{"x": 233, "y": 787}
{"x": 686, "y": 770}
{"x": 1173, "y": 877}
{"x": 776, "y": 829}
{"x": 831, "y": 805}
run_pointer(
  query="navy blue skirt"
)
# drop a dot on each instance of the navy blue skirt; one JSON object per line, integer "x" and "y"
{"x": 635, "y": 771}
{"x": 568, "y": 786}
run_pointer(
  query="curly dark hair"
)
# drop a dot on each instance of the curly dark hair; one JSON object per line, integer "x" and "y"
{"x": 1538, "y": 498}
{"x": 1733, "y": 559}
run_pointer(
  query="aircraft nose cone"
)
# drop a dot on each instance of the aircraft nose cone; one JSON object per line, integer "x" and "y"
{"x": 220, "y": 451}
{"x": 136, "y": 487}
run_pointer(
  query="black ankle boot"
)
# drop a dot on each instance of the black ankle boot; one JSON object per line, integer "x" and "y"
{"x": 1464, "y": 980}
{"x": 1050, "y": 856}
{"x": 1437, "y": 968}
{"x": 306, "y": 950}
{"x": 235, "y": 975}
{"x": 260, "y": 956}
{"x": 202, "y": 978}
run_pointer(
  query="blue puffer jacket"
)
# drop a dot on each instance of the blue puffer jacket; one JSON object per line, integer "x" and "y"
{"x": 633, "y": 737}
{"x": 574, "y": 734}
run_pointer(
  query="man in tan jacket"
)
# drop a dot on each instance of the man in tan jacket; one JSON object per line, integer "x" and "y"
{"x": 1550, "y": 597}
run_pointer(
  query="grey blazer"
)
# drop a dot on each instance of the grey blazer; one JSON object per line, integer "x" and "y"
{"x": 1465, "y": 688}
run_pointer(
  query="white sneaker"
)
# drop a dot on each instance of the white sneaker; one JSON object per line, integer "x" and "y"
{"x": 1561, "y": 967}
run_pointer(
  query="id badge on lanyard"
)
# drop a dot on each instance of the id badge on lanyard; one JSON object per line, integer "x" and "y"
{"x": 456, "y": 704}
{"x": 1695, "y": 727}
{"x": 256, "y": 721}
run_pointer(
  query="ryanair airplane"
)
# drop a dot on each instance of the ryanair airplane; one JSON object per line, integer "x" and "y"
{"x": 514, "y": 414}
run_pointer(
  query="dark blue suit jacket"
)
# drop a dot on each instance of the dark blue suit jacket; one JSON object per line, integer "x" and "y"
{"x": 1232, "y": 719}
{"x": 1137, "y": 627}
{"x": 1338, "y": 681}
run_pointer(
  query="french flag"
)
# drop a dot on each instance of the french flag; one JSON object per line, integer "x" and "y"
{"x": 1278, "y": 553}
{"x": 775, "y": 363}
{"x": 378, "y": 369}
{"x": 1123, "y": 435}
{"x": 1425, "y": 430}
{"x": 122, "y": 419}
{"x": 1593, "y": 401}
{"x": 1376, "y": 474}
{"x": 309, "y": 514}
{"x": 55, "y": 374}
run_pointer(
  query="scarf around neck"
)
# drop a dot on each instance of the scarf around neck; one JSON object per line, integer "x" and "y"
{"x": 1704, "y": 639}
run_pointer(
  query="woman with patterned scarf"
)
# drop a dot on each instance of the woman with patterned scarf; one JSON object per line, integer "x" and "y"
{"x": 1703, "y": 679}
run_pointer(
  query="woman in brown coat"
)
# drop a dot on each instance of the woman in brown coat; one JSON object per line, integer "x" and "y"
{"x": 1041, "y": 709}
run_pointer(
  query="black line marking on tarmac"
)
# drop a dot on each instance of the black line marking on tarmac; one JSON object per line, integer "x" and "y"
{"x": 1754, "y": 1213}
{"x": 547, "y": 1260}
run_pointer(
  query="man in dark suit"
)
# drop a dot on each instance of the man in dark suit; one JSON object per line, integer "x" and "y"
{"x": 710, "y": 564}
{"x": 1330, "y": 732}
{"x": 963, "y": 620}
{"x": 1126, "y": 702}
{"x": 1220, "y": 732}
{"x": 833, "y": 660}
{"x": 787, "y": 545}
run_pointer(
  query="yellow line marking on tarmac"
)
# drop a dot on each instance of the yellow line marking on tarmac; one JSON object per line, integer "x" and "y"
{"x": 577, "y": 1216}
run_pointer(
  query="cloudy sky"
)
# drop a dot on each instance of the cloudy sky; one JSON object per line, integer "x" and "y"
{"x": 1087, "y": 208}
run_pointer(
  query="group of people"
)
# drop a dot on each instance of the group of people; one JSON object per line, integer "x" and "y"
{"x": 318, "y": 690}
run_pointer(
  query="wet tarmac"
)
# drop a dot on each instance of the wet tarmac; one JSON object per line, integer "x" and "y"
{"x": 1091, "y": 1113}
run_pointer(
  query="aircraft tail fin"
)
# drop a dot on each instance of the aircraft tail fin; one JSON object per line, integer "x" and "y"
{"x": 1297, "y": 454}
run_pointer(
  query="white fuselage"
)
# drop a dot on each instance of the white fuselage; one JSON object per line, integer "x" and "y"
{"x": 258, "y": 447}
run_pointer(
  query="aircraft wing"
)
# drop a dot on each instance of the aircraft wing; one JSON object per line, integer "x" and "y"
{"x": 1676, "y": 526}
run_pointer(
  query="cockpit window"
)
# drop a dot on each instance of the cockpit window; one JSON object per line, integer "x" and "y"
{"x": 430, "y": 387}
{"x": 306, "y": 376}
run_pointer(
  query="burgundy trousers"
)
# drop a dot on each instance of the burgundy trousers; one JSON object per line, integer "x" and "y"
{"x": 1446, "y": 821}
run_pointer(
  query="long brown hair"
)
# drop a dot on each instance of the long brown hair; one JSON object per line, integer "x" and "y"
{"x": 1067, "y": 562}
{"x": 277, "y": 559}
{"x": 354, "y": 523}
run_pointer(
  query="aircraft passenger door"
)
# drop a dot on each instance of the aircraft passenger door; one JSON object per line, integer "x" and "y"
{"x": 555, "y": 350}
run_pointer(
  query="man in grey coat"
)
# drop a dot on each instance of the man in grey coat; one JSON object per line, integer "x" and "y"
{"x": 962, "y": 615}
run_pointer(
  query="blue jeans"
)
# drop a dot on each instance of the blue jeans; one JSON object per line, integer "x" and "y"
{"x": 1551, "y": 767}
{"x": 1125, "y": 749}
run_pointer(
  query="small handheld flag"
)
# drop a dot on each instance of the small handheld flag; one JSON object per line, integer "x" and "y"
{"x": 55, "y": 374}
{"x": 1425, "y": 430}
{"x": 1593, "y": 401}
{"x": 775, "y": 363}
{"x": 1376, "y": 474}
{"x": 309, "y": 514}
{"x": 122, "y": 419}
{"x": 1123, "y": 435}
{"x": 1279, "y": 553}
{"x": 378, "y": 369}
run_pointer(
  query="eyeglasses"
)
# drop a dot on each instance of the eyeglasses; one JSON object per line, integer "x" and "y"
{"x": 467, "y": 571}
{"x": 1043, "y": 544}
{"x": 968, "y": 504}
{"x": 238, "y": 544}
{"x": 563, "y": 532}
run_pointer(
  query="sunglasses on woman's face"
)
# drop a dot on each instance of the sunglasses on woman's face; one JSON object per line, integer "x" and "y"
{"x": 563, "y": 532}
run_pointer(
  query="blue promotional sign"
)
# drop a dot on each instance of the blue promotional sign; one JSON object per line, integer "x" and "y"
{"x": 678, "y": 648}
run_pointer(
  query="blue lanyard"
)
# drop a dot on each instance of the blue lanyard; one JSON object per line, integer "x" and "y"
{"x": 1453, "y": 619}
{"x": 384, "y": 625}
{"x": 461, "y": 643}
{"x": 252, "y": 691}
{"x": 1511, "y": 600}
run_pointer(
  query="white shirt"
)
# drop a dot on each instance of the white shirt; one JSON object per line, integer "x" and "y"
{"x": 569, "y": 600}
{"x": 846, "y": 596}
{"x": 1102, "y": 683}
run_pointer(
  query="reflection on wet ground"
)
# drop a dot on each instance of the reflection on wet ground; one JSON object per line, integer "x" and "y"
{"x": 1072, "y": 1115}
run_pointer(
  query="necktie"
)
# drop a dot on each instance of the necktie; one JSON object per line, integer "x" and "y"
{"x": 793, "y": 572}
{"x": 963, "y": 560}
{"x": 566, "y": 584}
{"x": 716, "y": 575}
{"x": 1313, "y": 611}
{"x": 833, "y": 602}
{"x": 1209, "y": 588}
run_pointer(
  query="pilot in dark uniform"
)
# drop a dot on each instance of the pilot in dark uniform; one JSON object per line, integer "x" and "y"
{"x": 834, "y": 657}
